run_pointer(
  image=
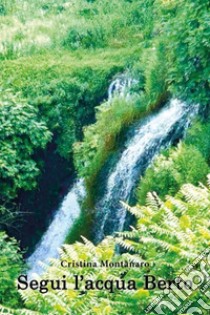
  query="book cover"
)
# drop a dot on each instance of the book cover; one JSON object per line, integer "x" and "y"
{"x": 104, "y": 157}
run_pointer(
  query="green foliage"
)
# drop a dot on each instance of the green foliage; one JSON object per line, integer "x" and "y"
{"x": 82, "y": 25}
{"x": 5, "y": 7}
{"x": 167, "y": 40}
{"x": 61, "y": 86}
{"x": 198, "y": 136}
{"x": 21, "y": 133}
{"x": 170, "y": 233}
{"x": 177, "y": 228}
{"x": 186, "y": 33}
{"x": 180, "y": 71}
{"x": 184, "y": 164}
{"x": 155, "y": 73}
{"x": 65, "y": 88}
{"x": 189, "y": 162}
{"x": 101, "y": 138}
{"x": 61, "y": 57}
{"x": 11, "y": 266}
{"x": 8, "y": 216}
{"x": 105, "y": 23}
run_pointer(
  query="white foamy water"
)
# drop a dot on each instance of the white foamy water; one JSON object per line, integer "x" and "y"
{"x": 59, "y": 228}
{"x": 157, "y": 132}
{"x": 121, "y": 87}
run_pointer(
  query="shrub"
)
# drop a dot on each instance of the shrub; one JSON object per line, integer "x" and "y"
{"x": 11, "y": 266}
{"x": 186, "y": 34}
{"x": 21, "y": 133}
{"x": 184, "y": 164}
{"x": 170, "y": 233}
{"x": 198, "y": 136}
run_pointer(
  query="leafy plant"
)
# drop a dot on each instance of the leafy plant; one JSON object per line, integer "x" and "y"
{"x": 198, "y": 137}
{"x": 186, "y": 34}
{"x": 11, "y": 265}
{"x": 170, "y": 233}
{"x": 21, "y": 133}
{"x": 171, "y": 170}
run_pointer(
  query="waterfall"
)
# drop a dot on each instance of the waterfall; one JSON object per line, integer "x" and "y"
{"x": 56, "y": 233}
{"x": 153, "y": 134}
{"x": 121, "y": 87}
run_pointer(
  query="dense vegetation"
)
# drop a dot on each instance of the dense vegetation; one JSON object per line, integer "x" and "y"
{"x": 57, "y": 60}
{"x": 182, "y": 71}
{"x": 11, "y": 265}
{"x": 176, "y": 229}
{"x": 21, "y": 133}
{"x": 188, "y": 163}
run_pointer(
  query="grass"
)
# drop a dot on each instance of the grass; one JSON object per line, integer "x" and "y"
{"x": 33, "y": 26}
{"x": 66, "y": 86}
{"x": 25, "y": 71}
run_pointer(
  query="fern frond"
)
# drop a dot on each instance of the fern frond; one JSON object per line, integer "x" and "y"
{"x": 89, "y": 245}
{"x": 153, "y": 201}
{"x": 5, "y": 311}
{"x": 136, "y": 211}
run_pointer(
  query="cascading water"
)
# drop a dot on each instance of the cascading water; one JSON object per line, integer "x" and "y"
{"x": 69, "y": 210}
{"x": 64, "y": 219}
{"x": 155, "y": 133}
{"x": 121, "y": 87}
